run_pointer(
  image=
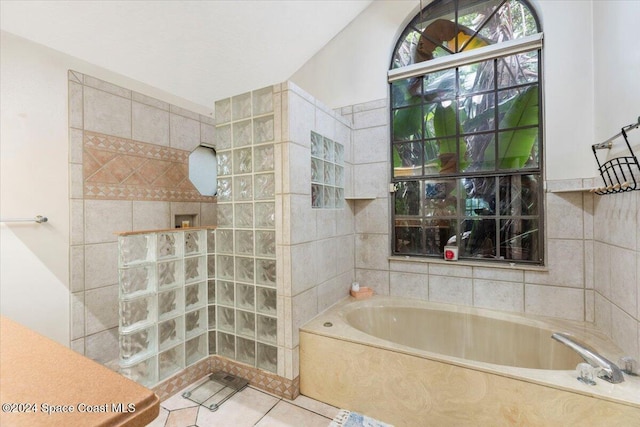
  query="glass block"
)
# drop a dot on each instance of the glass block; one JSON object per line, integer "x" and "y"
{"x": 226, "y": 319}
{"x": 243, "y": 188}
{"x": 267, "y": 357}
{"x": 224, "y": 267}
{"x": 267, "y": 329}
{"x": 317, "y": 196}
{"x": 225, "y": 214}
{"x": 329, "y": 173}
{"x": 263, "y": 101}
{"x": 244, "y": 242}
{"x": 137, "y": 344}
{"x": 170, "y": 332}
{"x": 137, "y": 311}
{"x": 194, "y": 242}
{"x": 339, "y": 176}
{"x": 225, "y": 241}
{"x": 212, "y": 342}
{"x": 136, "y": 248}
{"x": 329, "y": 151}
{"x": 265, "y": 215}
{"x": 195, "y": 269}
{"x": 243, "y": 215}
{"x": 242, "y": 133}
{"x": 224, "y": 189}
{"x": 241, "y": 106}
{"x": 225, "y": 293}
{"x": 224, "y": 163}
{"x": 137, "y": 280}
{"x": 339, "y": 156}
{"x": 211, "y": 291}
{"x": 266, "y": 272}
{"x": 170, "y": 362}
{"x": 263, "y": 129}
{"x": 226, "y": 345}
{"x": 211, "y": 266}
{"x": 245, "y": 297}
{"x": 195, "y": 295}
{"x": 170, "y": 274}
{"x": 317, "y": 171}
{"x": 195, "y": 349}
{"x": 263, "y": 158}
{"x": 223, "y": 110}
{"x": 223, "y": 137}
{"x": 317, "y": 145}
{"x": 266, "y": 301}
{"x": 266, "y": 243}
{"x": 195, "y": 322}
{"x": 246, "y": 351}
{"x": 211, "y": 241}
{"x": 329, "y": 197}
{"x": 169, "y": 245}
{"x": 244, "y": 269}
{"x": 339, "y": 197}
{"x": 170, "y": 303}
{"x": 265, "y": 186}
{"x": 211, "y": 315}
{"x": 144, "y": 372}
{"x": 242, "y": 162}
{"x": 246, "y": 324}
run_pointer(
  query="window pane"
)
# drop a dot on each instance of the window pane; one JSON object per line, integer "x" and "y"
{"x": 439, "y": 233}
{"x": 403, "y": 92}
{"x": 407, "y": 123}
{"x": 441, "y": 198}
{"x": 408, "y": 237}
{"x": 407, "y": 198}
{"x": 517, "y": 149}
{"x": 478, "y": 77}
{"x": 406, "y": 50}
{"x": 407, "y": 159}
{"x": 519, "y": 195}
{"x": 519, "y": 239}
{"x": 478, "y": 238}
{"x": 513, "y": 20}
{"x": 518, "y": 69}
{"x": 440, "y": 86}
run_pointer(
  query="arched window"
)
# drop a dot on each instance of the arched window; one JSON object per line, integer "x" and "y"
{"x": 466, "y": 133}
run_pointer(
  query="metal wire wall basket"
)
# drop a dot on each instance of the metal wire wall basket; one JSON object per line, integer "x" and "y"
{"x": 622, "y": 173}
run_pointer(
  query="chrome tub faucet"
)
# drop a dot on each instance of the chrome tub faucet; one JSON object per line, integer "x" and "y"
{"x": 608, "y": 370}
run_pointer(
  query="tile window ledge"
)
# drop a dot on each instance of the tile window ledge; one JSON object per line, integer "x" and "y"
{"x": 467, "y": 263}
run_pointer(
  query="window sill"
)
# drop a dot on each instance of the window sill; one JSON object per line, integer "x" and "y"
{"x": 468, "y": 263}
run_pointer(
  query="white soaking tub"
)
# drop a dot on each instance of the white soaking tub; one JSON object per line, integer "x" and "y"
{"x": 416, "y": 363}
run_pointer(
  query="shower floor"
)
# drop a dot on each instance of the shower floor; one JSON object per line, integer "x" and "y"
{"x": 248, "y": 407}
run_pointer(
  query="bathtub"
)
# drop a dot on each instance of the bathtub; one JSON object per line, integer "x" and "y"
{"x": 416, "y": 363}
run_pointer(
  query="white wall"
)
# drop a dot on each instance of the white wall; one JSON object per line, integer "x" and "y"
{"x": 352, "y": 68}
{"x": 34, "y": 179}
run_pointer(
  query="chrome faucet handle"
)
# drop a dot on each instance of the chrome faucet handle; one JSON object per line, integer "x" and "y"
{"x": 629, "y": 365}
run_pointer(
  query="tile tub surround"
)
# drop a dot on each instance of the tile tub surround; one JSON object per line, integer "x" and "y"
{"x": 449, "y": 389}
{"x": 121, "y": 129}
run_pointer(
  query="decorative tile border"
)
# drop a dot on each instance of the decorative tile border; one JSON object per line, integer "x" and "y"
{"x": 282, "y": 387}
{"x": 124, "y": 169}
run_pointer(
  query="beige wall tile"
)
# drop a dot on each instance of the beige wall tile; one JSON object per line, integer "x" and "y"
{"x": 207, "y": 134}
{"x": 378, "y": 280}
{"x": 371, "y": 145}
{"x": 325, "y": 124}
{"x": 104, "y": 218}
{"x": 554, "y": 301}
{"x": 371, "y": 180}
{"x": 77, "y": 268}
{"x": 101, "y": 309}
{"x": 183, "y": 112}
{"x": 326, "y": 223}
{"x": 372, "y": 216}
{"x": 409, "y": 266}
{"x": 588, "y": 214}
{"x": 502, "y": 274}
{"x": 76, "y": 116}
{"x": 75, "y": 145}
{"x": 78, "y": 346}
{"x": 452, "y": 290}
{"x": 602, "y": 268}
{"x": 497, "y": 295}
{"x": 588, "y": 264}
{"x": 333, "y": 290}
{"x": 184, "y": 208}
{"x": 371, "y": 105}
{"x": 408, "y": 285}
{"x": 589, "y": 306}
{"x": 624, "y": 287}
{"x": 304, "y": 267}
{"x": 624, "y": 331}
{"x": 372, "y": 251}
{"x": 326, "y": 259}
{"x": 298, "y": 162}
{"x": 77, "y": 316}
{"x": 103, "y": 346}
{"x": 77, "y": 222}
{"x": 301, "y": 119}
{"x": 106, "y": 87}
{"x": 345, "y": 219}
{"x": 151, "y": 215}
{"x": 304, "y": 307}
{"x": 564, "y": 216}
{"x": 288, "y": 327}
{"x": 150, "y": 124}
{"x": 450, "y": 269}
{"x": 208, "y": 214}
{"x": 345, "y": 254}
{"x": 107, "y": 113}
{"x": 603, "y": 313}
{"x": 370, "y": 118}
{"x": 101, "y": 265}
{"x": 147, "y": 100}
{"x": 76, "y": 182}
{"x": 185, "y": 132}
{"x": 75, "y": 76}
{"x": 565, "y": 260}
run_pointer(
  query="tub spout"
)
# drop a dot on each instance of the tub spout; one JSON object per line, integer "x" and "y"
{"x": 609, "y": 371}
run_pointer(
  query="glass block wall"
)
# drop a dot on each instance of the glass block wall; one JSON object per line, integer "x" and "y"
{"x": 327, "y": 173}
{"x": 245, "y": 300}
{"x": 163, "y": 302}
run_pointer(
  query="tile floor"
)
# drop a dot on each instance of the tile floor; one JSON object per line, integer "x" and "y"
{"x": 250, "y": 407}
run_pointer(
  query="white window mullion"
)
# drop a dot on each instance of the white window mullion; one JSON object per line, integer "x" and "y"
{"x": 502, "y": 49}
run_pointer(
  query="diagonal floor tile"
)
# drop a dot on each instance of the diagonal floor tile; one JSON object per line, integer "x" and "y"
{"x": 244, "y": 409}
{"x": 182, "y": 417}
{"x": 316, "y": 406}
{"x": 161, "y": 420}
{"x": 285, "y": 414}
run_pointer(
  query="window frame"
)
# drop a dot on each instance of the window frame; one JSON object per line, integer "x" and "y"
{"x": 453, "y": 62}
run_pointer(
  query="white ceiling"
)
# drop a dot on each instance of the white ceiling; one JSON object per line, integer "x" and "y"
{"x": 199, "y": 50}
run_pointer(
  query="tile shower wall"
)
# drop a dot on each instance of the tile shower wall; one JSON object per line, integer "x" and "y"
{"x": 127, "y": 156}
{"x": 563, "y": 288}
{"x": 279, "y": 262}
